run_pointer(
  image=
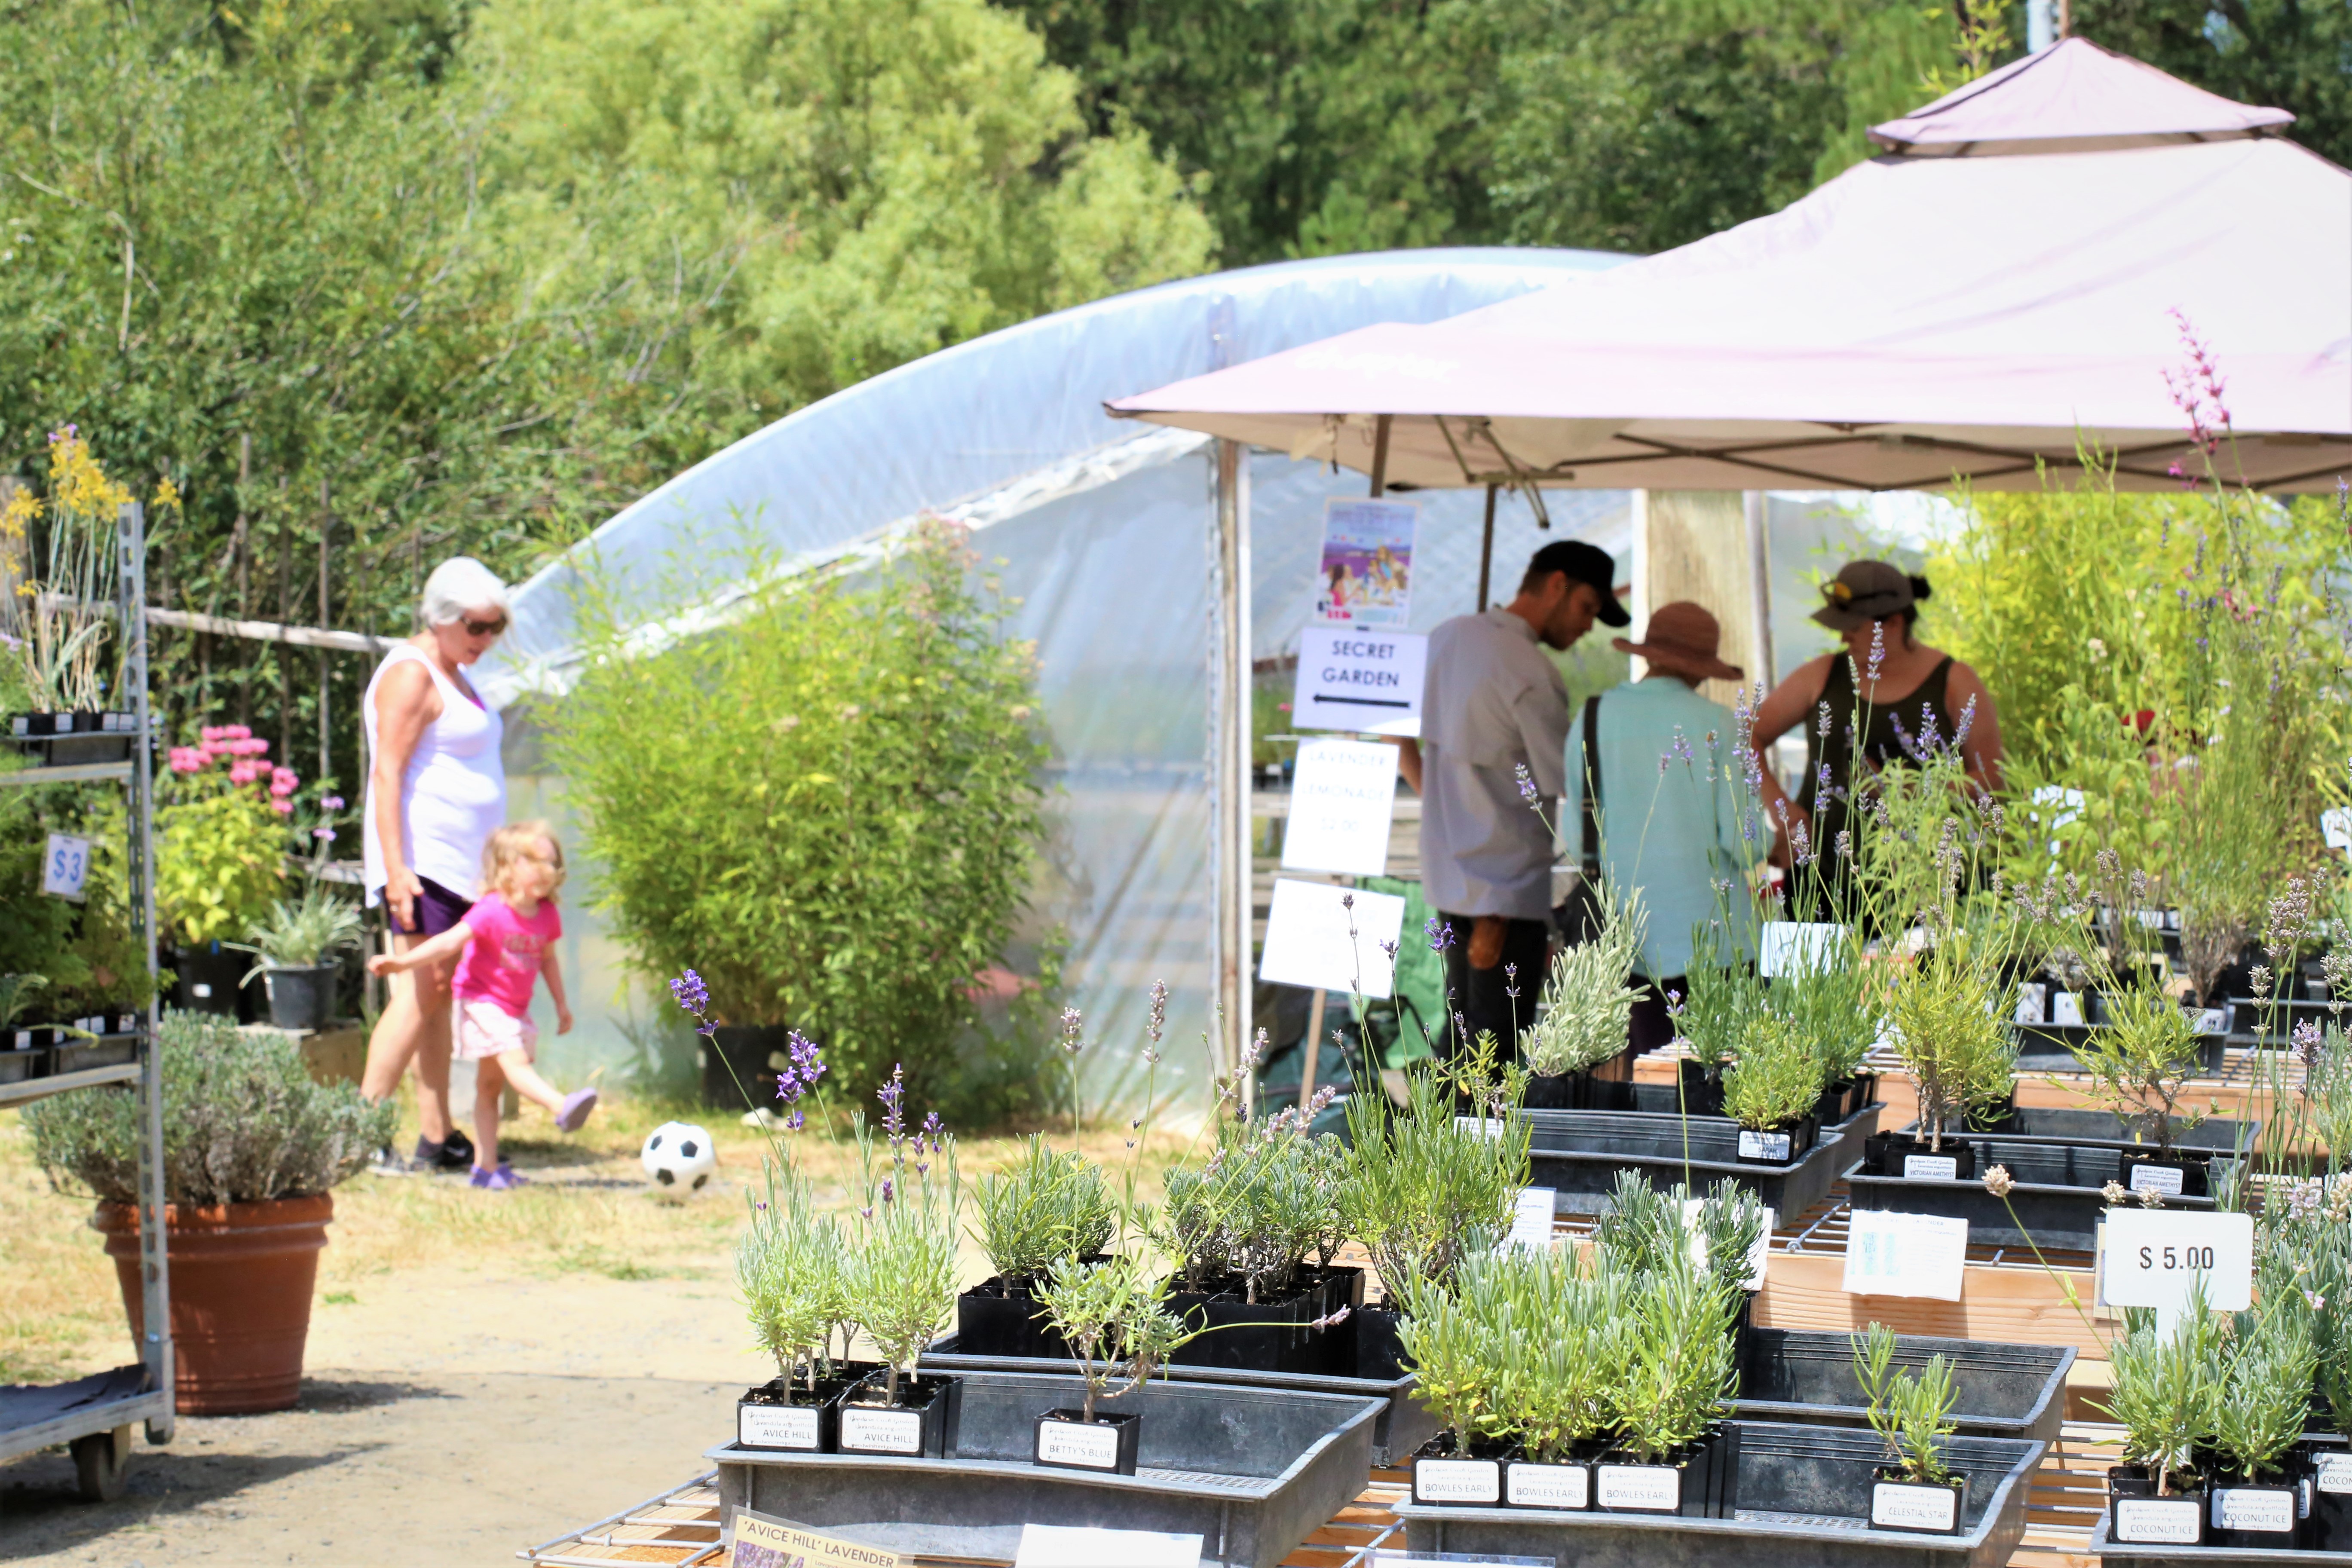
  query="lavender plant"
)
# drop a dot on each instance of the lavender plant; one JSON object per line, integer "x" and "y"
{"x": 1958, "y": 1052}
{"x": 1046, "y": 1207}
{"x": 793, "y": 1268}
{"x": 1421, "y": 1191}
{"x": 1255, "y": 1209}
{"x": 1777, "y": 1078}
{"x": 1587, "y": 1001}
{"x": 1118, "y": 1302}
{"x": 1910, "y": 1411}
{"x": 902, "y": 1273}
{"x": 2265, "y": 1393}
{"x": 2140, "y": 1064}
{"x": 2167, "y": 1389}
{"x": 1678, "y": 1367}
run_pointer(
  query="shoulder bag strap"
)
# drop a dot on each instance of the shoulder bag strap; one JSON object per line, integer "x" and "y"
{"x": 1591, "y": 857}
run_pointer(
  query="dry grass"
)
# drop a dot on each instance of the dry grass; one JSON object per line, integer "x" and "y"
{"x": 589, "y": 1209}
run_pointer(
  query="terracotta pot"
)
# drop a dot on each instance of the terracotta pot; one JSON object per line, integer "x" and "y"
{"x": 242, "y": 1278}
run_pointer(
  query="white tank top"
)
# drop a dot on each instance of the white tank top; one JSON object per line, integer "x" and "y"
{"x": 453, "y": 795}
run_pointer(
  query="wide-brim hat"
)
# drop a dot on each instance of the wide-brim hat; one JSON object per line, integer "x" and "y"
{"x": 1681, "y": 639}
{"x": 1866, "y": 591}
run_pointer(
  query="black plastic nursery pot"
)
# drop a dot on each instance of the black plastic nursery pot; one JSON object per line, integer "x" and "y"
{"x": 2059, "y": 1160}
{"x": 81, "y": 1053}
{"x": 1777, "y": 1146}
{"x": 1951, "y": 1158}
{"x": 1380, "y": 1372}
{"x": 1106, "y": 1445}
{"x": 1254, "y": 1336}
{"x": 1791, "y": 1497}
{"x": 788, "y": 1415}
{"x": 1253, "y": 1472}
{"x": 2050, "y": 1047}
{"x": 2139, "y": 1516}
{"x": 2263, "y": 1517}
{"x": 921, "y": 1423}
{"x": 300, "y": 998}
{"x": 21, "y": 1062}
{"x": 1449, "y": 1473}
{"x": 1000, "y": 1317}
{"x": 1579, "y": 1153}
{"x": 205, "y": 977}
{"x": 1807, "y": 1375}
{"x": 65, "y": 739}
{"x": 2329, "y": 1461}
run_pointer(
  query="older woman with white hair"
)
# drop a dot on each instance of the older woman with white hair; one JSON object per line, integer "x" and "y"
{"x": 436, "y": 791}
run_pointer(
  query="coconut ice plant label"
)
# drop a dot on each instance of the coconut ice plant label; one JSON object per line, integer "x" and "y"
{"x": 2332, "y": 1472}
{"x": 2270, "y": 1509}
{"x": 2158, "y": 1521}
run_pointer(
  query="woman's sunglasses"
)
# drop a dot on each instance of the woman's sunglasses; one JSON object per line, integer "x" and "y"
{"x": 486, "y": 628}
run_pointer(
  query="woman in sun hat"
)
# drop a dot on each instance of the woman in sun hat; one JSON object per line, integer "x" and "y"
{"x": 1864, "y": 709}
{"x": 1666, "y": 819}
{"x": 437, "y": 790}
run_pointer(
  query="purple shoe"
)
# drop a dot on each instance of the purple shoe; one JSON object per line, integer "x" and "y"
{"x": 576, "y": 1107}
{"x": 498, "y": 1181}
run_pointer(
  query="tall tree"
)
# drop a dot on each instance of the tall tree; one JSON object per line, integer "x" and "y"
{"x": 2294, "y": 55}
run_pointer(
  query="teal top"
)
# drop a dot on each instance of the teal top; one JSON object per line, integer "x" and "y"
{"x": 1670, "y": 817}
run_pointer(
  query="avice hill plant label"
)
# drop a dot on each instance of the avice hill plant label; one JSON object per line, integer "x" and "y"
{"x": 881, "y": 1431}
{"x": 777, "y": 1427}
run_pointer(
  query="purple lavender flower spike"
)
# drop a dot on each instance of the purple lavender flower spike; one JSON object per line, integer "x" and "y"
{"x": 1440, "y": 934}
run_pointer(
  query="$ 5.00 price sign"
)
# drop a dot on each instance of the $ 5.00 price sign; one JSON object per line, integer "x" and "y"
{"x": 2157, "y": 1257}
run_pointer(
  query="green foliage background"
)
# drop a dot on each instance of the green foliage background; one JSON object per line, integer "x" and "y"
{"x": 830, "y": 813}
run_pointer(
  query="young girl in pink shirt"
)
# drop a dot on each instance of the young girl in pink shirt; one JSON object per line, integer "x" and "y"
{"x": 507, "y": 940}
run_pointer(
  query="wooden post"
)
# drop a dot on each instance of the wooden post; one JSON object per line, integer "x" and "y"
{"x": 1487, "y": 555}
{"x": 1229, "y": 765}
{"x": 326, "y": 734}
{"x": 1310, "y": 1049}
{"x": 1380, "y": 455}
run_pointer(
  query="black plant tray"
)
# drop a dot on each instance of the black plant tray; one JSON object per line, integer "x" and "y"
{"x": 2246, "y": 1017}
{"x": 2116, "y": 1554}
{"x": 1252, "y": 1472}
{"x": 16, "y": 1066}
{"x": 2048, "y": 1048}
{"x": 2104, "y": 1129}
{"x": 1801, "y": 1499}
{"x": 1403, "y": 1424}
{"x": 2057, "y": 1199}
{"x": 77, "y": 1054}
{"x": 1807, "y": 1375}
{"x": 1577, "y": 1155}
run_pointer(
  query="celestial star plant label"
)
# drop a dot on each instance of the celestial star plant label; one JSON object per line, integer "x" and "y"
{"x": 1771, "y": 1146}
{"x": 1898, "y": 1505}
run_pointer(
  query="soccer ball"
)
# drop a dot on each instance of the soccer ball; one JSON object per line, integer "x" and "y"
{"x": 678, "y": 1155}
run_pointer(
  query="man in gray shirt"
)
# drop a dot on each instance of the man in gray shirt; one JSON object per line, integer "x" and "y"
{"x": 1492, "y": 703}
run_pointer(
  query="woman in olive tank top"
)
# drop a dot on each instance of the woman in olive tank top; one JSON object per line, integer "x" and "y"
{"x": 1885, "y": 684}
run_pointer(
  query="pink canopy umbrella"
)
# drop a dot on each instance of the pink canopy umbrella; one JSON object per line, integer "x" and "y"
{"x": 2074, "y": 249}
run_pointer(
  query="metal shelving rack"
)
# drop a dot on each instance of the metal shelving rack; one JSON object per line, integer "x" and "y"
{"x": 95, "y": 1416}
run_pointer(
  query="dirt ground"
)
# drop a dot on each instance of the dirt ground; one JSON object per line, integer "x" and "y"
{"x": 484, "y": 1371}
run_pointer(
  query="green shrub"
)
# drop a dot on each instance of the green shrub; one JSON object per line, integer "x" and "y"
{"x": 828, "y": 809}
{"x": 242, "y": 1122}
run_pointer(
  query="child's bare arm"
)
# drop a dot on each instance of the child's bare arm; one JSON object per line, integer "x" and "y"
{"x": 553, "y": 970}
{"x": 448, "y": 945}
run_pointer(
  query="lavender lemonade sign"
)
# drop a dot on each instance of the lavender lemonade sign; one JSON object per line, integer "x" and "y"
{"x": 1366, "y": 574}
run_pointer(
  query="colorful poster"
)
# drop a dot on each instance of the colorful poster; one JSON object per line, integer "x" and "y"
{"x": 1366, "y": 574}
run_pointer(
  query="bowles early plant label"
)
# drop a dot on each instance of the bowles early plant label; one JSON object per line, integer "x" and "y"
{"x": 776, "y": 1426}
{"x": 1905, "y": 1255}
{"x": 2152, "y": 1258}
{"x": 1457, "y": 1481}
{"x": 1644, "y": 1488}
{"x": 881, "y": 1431}
{"x": 2159, "y": 1522}
{"x": 1528, "y": 1485}
{"x": 1341, "y": 799}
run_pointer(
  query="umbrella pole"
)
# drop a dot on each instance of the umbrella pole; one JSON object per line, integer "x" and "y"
{"x": 1485, "y": 554}
{"x": 1381, "y": 456}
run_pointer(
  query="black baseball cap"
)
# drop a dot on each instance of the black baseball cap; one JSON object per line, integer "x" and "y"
{"x": 1584, "y": 564}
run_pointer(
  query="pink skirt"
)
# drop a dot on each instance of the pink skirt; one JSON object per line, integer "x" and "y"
{"x": 485, "y": 1029}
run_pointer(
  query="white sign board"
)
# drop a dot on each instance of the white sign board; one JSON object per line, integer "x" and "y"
{"x": 1531, "y": 1220}
{"x": 1087, "y": 1546}
{"x": 1760, "y": 1257}
{"x": 2152, "y": 1257}
{"x": 1367, "y": 681}
{"x": 1920, "y": 1254}
{"x": 65, "y": 865}
{"x": 2336, "y": 827}
{"x": 1796, "y": 947}
{"x": 1342, "y": 798}
{"x": 1306, "y": 940}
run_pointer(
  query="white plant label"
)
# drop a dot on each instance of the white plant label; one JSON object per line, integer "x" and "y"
{"x": 1457, "y": 1481}
{"x": 2033, "y": 1000}
{"x": 2336, "y": 827}
{"x": 881, "y": 1431}
{"x": 65, "y": 865}
{"x": 1531, "y": 1220}
{"x": 1655, "y": 1489}
{"x": 1342, "y": 798}
{"x": 1759, "y": 1256}
{"x": 1366, "y": 681}
{"x": 1090, "y": 1546}
{"x": 1894, "y": 1505}
{"x": 2158, "y": 1521}
{"x": 2213, "y": 1021}
{"x": 1796, "y": 947}
{"x": 2066, "y": 1008}
{"x": 2332, "y": 1472}
{"x": 1923, "y": 1255}
{"x": 1931, "y": 1168}
{"x": 1485, "y": 1126}
{"x": 1547, "y": 1486}
{"x": 2152, "y": 1257}
{"x": 1307, "y": 939}
{"x": 1764, "y": 1145}
{"x": 2254, "y": 1507}
{"x": 1092, "y": 1448}
{"x": 21, "y": 1041}
{"x": 2164, "y": 1179}
{"x": 776, "y": 1426}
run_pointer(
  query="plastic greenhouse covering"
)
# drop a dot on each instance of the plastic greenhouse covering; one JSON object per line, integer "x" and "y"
{"x": 1105, "y": 530}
